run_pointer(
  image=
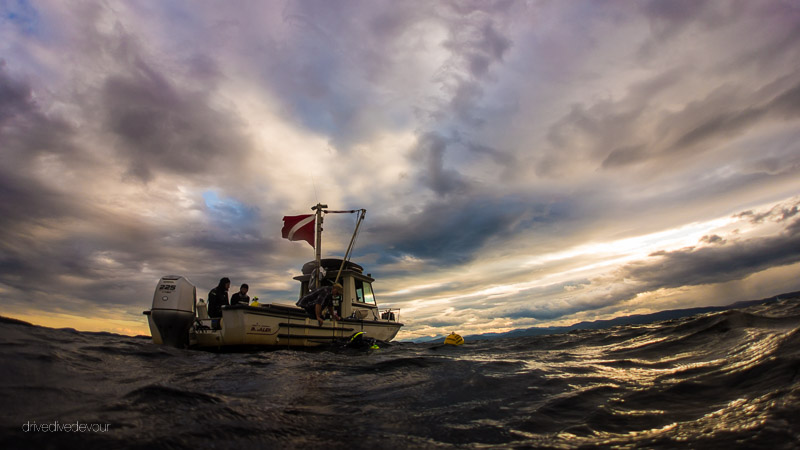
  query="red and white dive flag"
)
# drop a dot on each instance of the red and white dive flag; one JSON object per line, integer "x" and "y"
{"x": 299, "y": 228}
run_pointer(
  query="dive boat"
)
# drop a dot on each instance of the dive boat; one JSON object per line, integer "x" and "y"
{"x": 178, "y": 319}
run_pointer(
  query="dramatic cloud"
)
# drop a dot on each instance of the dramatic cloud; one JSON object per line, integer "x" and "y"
{"x": 708, "y": 265}
{"x": 160, "y": 129}
{"x": 523, "y": 163}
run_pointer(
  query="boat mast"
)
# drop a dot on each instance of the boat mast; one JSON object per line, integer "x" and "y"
{"x": 318, "y": 242}
{"x": 318, "y": 210}
{"x": 352, "y": 241}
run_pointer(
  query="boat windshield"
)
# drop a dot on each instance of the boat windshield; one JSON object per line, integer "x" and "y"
{"x": 364, "y": 292}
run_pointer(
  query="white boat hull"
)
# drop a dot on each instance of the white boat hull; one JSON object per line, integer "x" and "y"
{"x": 283, "y": 326}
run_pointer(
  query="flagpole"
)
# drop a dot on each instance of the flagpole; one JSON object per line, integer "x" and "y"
{"x": 318, "y": 241}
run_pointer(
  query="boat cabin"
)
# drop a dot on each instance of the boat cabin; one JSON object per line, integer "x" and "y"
{"x": 358, "y": 299}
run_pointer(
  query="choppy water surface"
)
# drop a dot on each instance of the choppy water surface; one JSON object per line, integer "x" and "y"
{"x": 728, "y": 379}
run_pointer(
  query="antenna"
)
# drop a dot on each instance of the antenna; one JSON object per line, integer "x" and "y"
{"x": 313, "y": 183}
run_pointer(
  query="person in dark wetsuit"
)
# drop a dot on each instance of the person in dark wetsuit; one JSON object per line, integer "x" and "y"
{"x": 218, "y": 297}
{"x": 241, "y": 296}
{"x": 314, "y": 302}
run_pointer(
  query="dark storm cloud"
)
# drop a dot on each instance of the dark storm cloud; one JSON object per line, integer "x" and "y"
{"x": 778, "y": 213}
{"x": 89, "y": 253}
{"x": 15, "y": 96}
{"x": 449, "y": 231}
{"x": 235, "y": 234}
{"x": 475, "y": 44}
{"x": 723, "y": 125}
{"x": 616, "y": 132}
{"x": 328, "y": 76}
{"x": 162, "y": 128}
{"x": 475, "y": 34}
{"x": 785, "y": 106}
{"x": 490, "y": 47}
{"x": 715, "y": 264}
{"x": 26, "y": 132}
{"x": 713, "y": 239}
{"x": 337, "y": 84}
{"x": 326, "y": 90}
{"x": 432, "y": 150}
{"x": 669, "y": 19}
{"x": 60, "y": 241}
{"x": 77, "y": 261}
{"x": 550, "y": 312}
{"x": 431, "y": 147}
{"x": 160, "y": 117}
{"x": 607, "y": 131}
{"x": 553, "y": 309}
{"x": 101, "y": 259}
{"x": 586, "y": 132}
{"x": 783, "y": 48}
{"x": 723, "y": 115}
{"x": 441, "y": 323}
{"x": 26, "y": 203}
{"x": 505, "y": 159}
{"x": 624, "y": 156}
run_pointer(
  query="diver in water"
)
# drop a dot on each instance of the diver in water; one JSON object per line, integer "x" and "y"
{"x": 361, "y": 341}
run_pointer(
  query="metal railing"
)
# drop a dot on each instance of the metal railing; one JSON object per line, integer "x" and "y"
{"x": 391, "y": 314}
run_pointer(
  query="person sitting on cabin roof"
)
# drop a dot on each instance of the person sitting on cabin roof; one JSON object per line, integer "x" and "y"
{"x": 315, "y": 301}
{"x": 218, "y": 297}
{"x": 241, "y": 296}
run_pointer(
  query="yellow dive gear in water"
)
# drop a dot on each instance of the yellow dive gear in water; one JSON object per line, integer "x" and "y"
{"x": 454, "y": 339}
{"x": 360, "y": 333}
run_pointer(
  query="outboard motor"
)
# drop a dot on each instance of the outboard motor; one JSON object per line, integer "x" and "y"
{"x": 173, "y": 311}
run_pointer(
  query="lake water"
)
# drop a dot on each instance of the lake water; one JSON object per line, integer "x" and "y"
{"x": 721, "y": 380}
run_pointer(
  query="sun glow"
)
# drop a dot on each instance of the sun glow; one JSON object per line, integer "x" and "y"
{"x": 127, "y": 327}
{"x": 638, "y": 247}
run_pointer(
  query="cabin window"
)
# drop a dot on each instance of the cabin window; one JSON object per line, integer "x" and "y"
{"x": 364, "y": 293}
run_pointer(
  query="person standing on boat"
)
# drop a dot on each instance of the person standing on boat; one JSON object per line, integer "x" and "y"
{"x": 314, "y": 302}
{"x": 241, "y": 296}
{"x": 216, "y": 298}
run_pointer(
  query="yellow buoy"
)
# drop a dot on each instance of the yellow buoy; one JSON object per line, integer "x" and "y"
{"x": 454, "y": 339}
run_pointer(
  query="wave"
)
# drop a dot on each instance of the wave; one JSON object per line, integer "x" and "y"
{"x": 712, "y": 380}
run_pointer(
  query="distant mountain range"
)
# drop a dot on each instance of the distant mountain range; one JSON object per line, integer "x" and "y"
{"x": 635, "y": 319}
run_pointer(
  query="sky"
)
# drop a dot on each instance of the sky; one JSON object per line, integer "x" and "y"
{"x": 522, "y": 163}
